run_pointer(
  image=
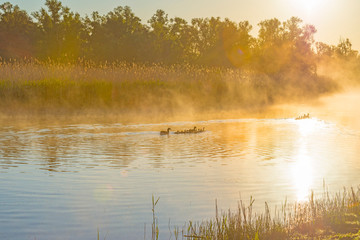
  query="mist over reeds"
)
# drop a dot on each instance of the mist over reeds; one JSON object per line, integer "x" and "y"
{"x": 56, "y": 62}
{"x": 34, "y": 87}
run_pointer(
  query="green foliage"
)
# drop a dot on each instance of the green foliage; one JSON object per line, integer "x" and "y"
{"x": 61, "y": 35}
{"x": 116, "y": 36}
{"x": 344, "y": 49}
{"x": 61, "y": 32}
{"x": 17, "y": 32}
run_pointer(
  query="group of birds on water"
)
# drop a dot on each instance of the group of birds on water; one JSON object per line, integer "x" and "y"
{"x": 191, "y": 130}
{"x": 200, "y": 130}
{"x": 305, "y": 116}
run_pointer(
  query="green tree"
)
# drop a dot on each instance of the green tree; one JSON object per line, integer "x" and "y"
{"x": 271, "y": 51}
{"x": 220, "y": 43}
{"x": 324, "y": 50}
{"x": 73, "y": 34}
{"x": 95, "y": 37}
{"x": 61, "y": 32}
{"x": 292, "y": 30}
{"x": 17, "y": 32}
{"x": 49, "y": 44}
{"x": 303, "y": 57}
{"x": 180, "y": 37}
{"x": 238, "y": 42}
{"x": 285, "y": 47}
{"x": 270, "y": 33}
{"x": 122, "y": 36}
{"x": 208, "y": 41}
{"x": 160, "y": 40}
{"x": 344, "y": 49}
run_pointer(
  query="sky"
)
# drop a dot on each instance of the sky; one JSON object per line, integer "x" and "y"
{"x": 333, "y": 19}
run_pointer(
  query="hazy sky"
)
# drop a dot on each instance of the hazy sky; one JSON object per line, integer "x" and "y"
{"x": 332, "y": 18}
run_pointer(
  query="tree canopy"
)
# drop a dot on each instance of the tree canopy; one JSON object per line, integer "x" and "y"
{"x": 55, "y": 32}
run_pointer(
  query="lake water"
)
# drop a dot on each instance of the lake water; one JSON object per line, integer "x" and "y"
{"x": 68, "y": 181}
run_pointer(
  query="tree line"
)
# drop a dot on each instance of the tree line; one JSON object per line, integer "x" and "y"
{"x": 57, "y": 33}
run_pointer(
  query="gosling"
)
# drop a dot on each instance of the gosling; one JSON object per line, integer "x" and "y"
{"x": 192, "y": 130}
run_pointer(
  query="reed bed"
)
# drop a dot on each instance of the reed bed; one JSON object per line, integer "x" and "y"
{"x": 327, "y": 217}
{"x": 32, "y": 87}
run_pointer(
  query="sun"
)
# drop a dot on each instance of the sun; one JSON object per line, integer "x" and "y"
{"x": 309, "y": 7}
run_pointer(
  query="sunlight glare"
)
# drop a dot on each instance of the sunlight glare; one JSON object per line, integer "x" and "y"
{"x": 306, "y": 126}
{"x": 302, "y": 175}
{"x": 308, "y": 6}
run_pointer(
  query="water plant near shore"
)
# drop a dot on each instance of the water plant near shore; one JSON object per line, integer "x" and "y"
{"x": 327, "y": 217}
{"x": 33, "y": 87}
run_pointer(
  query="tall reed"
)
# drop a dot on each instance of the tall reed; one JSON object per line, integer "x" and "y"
{"x": 32, "y": 87}
{"x": 318, "y": 218}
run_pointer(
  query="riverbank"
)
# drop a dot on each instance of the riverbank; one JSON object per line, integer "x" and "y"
{"x": 326, "y": 217}
{"x": 131, "y": 91}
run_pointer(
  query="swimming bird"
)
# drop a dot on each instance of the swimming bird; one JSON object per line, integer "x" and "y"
{"x": 200, "y": 130}
{"x": 305, "y": 116}
{"x": 165, "y": 132}
{"x": 192, "y": 130}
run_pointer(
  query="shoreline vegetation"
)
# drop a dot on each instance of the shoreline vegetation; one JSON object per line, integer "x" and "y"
{"x": 56, "y": 63}
{"x": 30, "y": 88}
{"x": 324, "y": 217}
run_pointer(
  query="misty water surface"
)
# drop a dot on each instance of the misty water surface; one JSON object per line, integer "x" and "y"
{"x": 67, "y": 181}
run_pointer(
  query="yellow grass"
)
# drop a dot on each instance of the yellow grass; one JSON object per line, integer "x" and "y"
{"x": 33, "y": 87}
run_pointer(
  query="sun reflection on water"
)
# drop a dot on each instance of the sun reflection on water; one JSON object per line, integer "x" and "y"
{"x": 302, "y": 170}
{"x": 302, "y": 174}
{"x": 306, "y": 126}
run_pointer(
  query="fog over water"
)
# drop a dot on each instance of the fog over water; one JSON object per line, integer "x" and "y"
{"x": 65, "y": 181}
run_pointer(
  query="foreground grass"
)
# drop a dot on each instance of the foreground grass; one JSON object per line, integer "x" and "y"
{"x": 32, "y": 87}
{"x": 328, "y": 217}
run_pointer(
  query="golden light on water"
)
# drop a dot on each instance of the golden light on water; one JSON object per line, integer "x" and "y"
{"x": 302, "y": 172}
{"x": 306, "y": 126}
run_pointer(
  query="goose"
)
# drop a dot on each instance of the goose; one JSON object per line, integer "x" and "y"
{"x": 165, "y": 132}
